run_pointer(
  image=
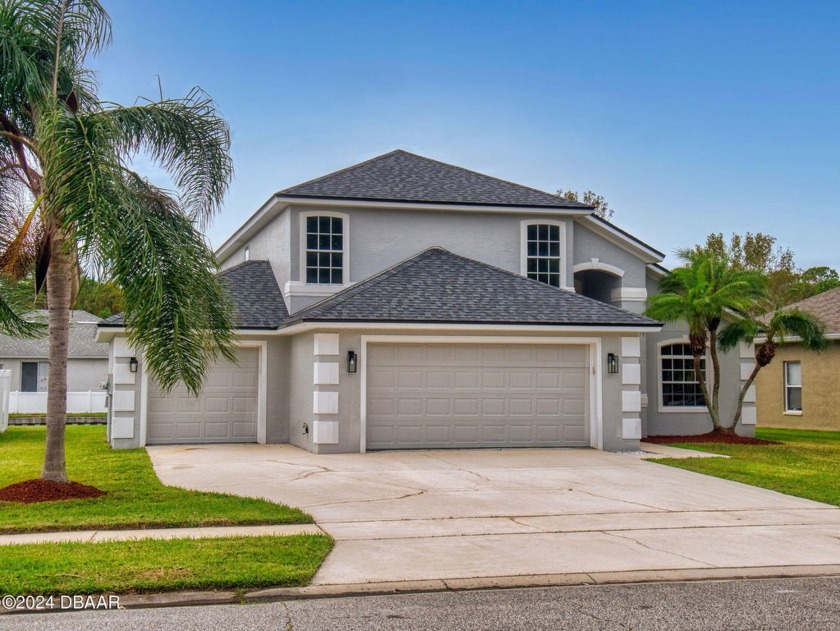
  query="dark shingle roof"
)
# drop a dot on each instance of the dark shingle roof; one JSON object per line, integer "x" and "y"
{"x": 82, "y": 339}
{"x": 438, "y": 286}
{"x": 256, "y": 297}
{"x": 400, "y": 176}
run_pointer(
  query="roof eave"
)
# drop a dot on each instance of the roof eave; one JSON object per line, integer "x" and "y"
{"x": 623, "y": 239}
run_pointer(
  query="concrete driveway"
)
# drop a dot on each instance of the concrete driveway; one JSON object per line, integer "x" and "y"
{"x": 448, "y": 515}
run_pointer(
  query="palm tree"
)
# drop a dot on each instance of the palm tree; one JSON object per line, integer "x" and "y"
{"x": 703, "y": 292}
{"x": 71, "y": 201}
{"x": 777, "y": 328}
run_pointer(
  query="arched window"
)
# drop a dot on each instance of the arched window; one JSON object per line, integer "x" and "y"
{"x": 324, "y": 240}
{"x": 543, "y": 251}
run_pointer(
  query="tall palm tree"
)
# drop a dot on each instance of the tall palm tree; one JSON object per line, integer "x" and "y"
{"x": 703, "y": 292}
{"x": 70, "y": 200}
{"x": 777, "y": 328}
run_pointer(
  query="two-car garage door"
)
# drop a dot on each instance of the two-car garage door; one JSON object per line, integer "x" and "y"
{"x": 477, "y": 395}
{"x": 224, "y": 412}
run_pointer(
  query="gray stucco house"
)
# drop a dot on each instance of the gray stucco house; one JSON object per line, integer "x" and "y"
{"x": 404, "y": 303}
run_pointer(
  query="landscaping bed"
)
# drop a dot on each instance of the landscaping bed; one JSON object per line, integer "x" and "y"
{"x": 724, "y": 439}
{"x": 134, "y": 496}
{"x": 796, "y": 462}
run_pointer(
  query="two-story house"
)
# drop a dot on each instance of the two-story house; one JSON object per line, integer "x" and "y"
{"x": 404, "y": 303}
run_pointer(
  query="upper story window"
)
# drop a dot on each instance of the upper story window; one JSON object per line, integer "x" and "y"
{"x": 325, "y": 249}
{"x": 793, "y": 387}
{"x": 247, "y": 253}
{"x": 543, "y": 252}
{"x": 679, "y": 386}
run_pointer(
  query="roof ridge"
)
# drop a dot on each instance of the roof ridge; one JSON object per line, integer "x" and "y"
{"x": 341, "y": 170}
{"x": 242, "y": 264}
{"x": 363, "y": 285}
{"x": 571, "y": 202}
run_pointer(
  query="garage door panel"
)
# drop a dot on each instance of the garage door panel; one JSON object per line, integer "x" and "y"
{"x": 474, "y": 395}
{"x": 225, "y": 411}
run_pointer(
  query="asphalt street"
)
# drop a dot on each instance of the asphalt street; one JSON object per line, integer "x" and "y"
{"x": 784, "y": 604}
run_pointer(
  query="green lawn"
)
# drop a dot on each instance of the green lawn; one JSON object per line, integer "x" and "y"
{"x": 153, "y": 566}
{"x": 135, "y": 499}
{"x": 805, "y": 465}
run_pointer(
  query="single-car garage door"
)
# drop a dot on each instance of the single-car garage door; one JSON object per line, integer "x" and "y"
{"x": 477, "y": 395}
{"x": 224, "y": 412}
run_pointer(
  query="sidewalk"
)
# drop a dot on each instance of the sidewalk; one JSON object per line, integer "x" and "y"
{"x": 666, "y": 451}
{"x": 98, "y": 536}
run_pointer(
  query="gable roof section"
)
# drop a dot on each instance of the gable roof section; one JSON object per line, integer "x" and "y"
{"x": 255, "y": 293}
{"x": 82, "y": 339}
{"x": 437, "y": 286}
{"x": 400, "y": 176}
{"x": 825, "y": 306}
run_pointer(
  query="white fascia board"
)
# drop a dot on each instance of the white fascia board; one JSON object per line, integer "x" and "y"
{"x": 303, "y": 327}
{"x": 106, "y": 334}
{"x": 648, "y": 255}
{"x": 278, "y": 203}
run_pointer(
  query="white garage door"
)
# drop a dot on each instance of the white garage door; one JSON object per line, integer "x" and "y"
{"x": 224, "y": 412}
{"x": 477, "y": 395}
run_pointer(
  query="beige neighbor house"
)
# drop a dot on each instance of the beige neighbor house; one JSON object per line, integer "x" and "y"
{"x": 801, "y": 388}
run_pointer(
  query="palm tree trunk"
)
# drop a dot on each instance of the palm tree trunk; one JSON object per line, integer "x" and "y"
{"x": 58, "y": 297}
{"x": 713, "y": 351}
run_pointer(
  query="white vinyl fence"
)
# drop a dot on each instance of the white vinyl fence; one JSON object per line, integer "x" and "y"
{"x": 36, "y": 402}
{"x": 5, "y": 388}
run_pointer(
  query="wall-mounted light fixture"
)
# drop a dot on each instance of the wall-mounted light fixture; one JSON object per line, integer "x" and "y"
{"x": 132, "y": 364}
{"x": 612, "y": 363}
{"x": 352, "y": 361}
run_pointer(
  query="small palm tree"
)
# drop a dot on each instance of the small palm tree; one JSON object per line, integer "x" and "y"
{"x": 703, "y": 292}
{"x": 69, "y": 200}
{"x": 777, "y": 328}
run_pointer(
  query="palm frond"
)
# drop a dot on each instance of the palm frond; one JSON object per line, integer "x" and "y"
{"x": 189, "y": 139}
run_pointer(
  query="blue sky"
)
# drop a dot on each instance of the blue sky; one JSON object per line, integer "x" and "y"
{"x": 689, "y": 117}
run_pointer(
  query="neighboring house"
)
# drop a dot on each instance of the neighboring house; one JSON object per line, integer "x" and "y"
{"x": 87, "y": 363}
{"x": 801, "y": 388}
{"x": 404, "y": 303}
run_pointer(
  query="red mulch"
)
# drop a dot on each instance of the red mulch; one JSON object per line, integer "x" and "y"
{"x": 32, "y": 491}
{"x": 731, "y": 439}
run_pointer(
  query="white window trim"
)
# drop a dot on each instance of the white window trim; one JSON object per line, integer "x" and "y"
{"x": 596, "y": 399}
{"x": 345, "y": 275}
{"x": 693, "y": 409}
{"x": 523, "y": 247}
{"x": 787, "y": 386}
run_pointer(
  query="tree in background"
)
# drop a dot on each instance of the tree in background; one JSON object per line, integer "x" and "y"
{"x": 759, "y": 252}
{"x": 590, "y": 198}
{"x": 101, "y": 298}
{"x": 70, "y": 201}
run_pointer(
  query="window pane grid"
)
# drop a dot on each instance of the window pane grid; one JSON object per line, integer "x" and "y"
{"x": 543, "y": 253}
{"x": 325, "y": 250}
{"x": 793, "y": 386}
{"x": 679, "y": 384}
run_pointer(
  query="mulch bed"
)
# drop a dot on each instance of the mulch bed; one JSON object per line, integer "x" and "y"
{"x": 31, "y": 491}
{"x": 730, "y": 439}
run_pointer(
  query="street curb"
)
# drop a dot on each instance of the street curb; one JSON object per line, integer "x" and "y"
{"x": 276, "y": 594}
{"x": 467, "y": 584}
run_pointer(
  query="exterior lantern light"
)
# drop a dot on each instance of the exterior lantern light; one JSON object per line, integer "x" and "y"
{"x": 132, "y": 364}
{"x": 352, "y": 361}
{"x": 612, "y": 363}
